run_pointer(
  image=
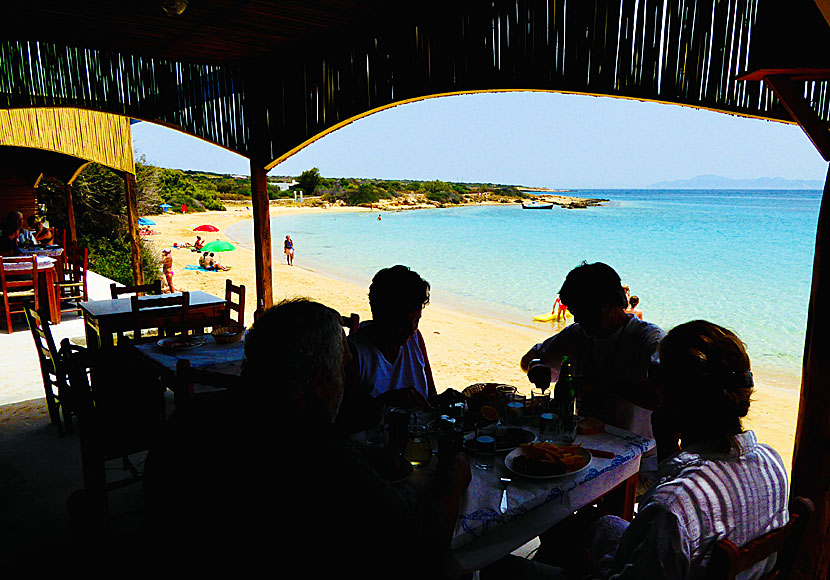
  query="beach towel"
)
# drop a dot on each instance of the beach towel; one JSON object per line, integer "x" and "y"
{"x": 200, "y": 269}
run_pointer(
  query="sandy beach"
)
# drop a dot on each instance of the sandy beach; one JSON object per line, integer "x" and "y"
{"x": 464, "y": 347}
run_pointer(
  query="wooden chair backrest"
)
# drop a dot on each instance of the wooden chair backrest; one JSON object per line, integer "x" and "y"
{"x": 238, "y": 306}
{"x": 728, "y": 560}
{"x": 350, "y": 322}
{"x": 12, "y": 280}
{"x": 167, "y": 313}
{"x": 140, "y": 289}
{"x": 75, "y": 262}
{"x": 45, "y": 344}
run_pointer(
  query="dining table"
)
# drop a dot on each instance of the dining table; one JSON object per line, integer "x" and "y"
{"x": 47, "y": 279}
{"x": 105, "y": 318}
{"x": 487, "y": 529}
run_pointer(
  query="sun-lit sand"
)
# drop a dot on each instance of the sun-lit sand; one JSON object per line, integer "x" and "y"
{"x": 464, "y": 347}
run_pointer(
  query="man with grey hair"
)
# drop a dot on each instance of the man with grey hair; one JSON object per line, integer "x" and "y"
{"x": 271, "y": 479}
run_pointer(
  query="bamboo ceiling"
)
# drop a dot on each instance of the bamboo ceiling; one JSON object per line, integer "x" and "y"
{"x": 262, "y": 78}
{"x": 89, "y": 135}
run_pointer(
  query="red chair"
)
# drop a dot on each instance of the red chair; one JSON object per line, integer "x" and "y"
{"x": 18, "y": 286}
{"x": 728, "y": 560}
{"x": 72, "y": 288}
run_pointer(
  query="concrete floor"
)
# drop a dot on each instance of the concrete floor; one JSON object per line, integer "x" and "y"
{"x": 38, "y": 468}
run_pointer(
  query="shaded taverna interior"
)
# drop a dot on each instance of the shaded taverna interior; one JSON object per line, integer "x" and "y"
{"x": 264, "y": 79}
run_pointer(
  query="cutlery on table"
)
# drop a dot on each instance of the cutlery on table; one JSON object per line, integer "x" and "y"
{"x": 505, "y": 482}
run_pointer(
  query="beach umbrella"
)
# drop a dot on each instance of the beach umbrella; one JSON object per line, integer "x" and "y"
{"x": 145, "y": 222}
{"x": 218, "y": 246}
{"x": 206, "y": 228}
{"x": 165, "y": 206}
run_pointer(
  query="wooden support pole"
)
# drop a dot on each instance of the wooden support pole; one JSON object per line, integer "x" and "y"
{"x": 811, "y": 457}
{"x": 262, "y": 236}
{"x": 70, "y": 213}
{"x": 256, "y": 119}
{"x": 791, "y": 96}
{"x": 132, "y": 227}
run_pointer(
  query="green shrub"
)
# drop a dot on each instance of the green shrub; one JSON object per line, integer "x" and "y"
{"x": 444, "y": 196}
{"x": 363, "y": 194}
{"x": 111, "y": 258}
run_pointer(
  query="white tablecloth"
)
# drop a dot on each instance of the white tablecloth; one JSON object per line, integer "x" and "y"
{"x": 483, "y": 534}
{"x": 210, "y": 356}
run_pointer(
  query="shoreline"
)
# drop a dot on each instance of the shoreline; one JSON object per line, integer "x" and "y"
{"x": 465, "y": 347}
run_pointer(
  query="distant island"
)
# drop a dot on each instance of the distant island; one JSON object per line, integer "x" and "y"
{"x": 720, "y": 182}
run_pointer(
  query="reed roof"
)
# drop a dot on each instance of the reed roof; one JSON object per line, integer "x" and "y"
{"x": 265, "y": 78}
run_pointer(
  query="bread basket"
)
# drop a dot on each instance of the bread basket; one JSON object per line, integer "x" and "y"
{"x": 227, "y": 334}
{"x": 489, "y": 394}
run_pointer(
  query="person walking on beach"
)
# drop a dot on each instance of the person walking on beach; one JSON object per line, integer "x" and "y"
{"x": 167, "y": 268}
{"x": 288, "y": 248}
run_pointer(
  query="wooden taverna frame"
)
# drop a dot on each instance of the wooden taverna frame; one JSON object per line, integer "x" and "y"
{"x": 264, "y": 79}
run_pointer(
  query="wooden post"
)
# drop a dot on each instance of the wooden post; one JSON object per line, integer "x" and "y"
{"x": 132, "y": 227}
{"x": 262, "y": 236}
{"x": 70, "y": 213}
{"x": 256, "y": 119}
{"x": 811, "y": 457}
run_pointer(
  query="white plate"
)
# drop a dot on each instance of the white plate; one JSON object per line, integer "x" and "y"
{"x": 181, "y": 342}
{"x": 508, "y": 463}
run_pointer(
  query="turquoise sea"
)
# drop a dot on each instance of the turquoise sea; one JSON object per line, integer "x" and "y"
{"x": 742, "y": 259}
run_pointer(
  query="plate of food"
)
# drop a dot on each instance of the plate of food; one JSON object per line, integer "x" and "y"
{"x": 174, "y": 343}
{"x": 507, "y": 438}
{"x": 545, "y": 460}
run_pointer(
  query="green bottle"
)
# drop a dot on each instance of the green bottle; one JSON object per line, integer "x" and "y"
{"x": 564, "y": 401}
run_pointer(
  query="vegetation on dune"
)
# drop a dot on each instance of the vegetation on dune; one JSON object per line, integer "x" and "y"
{"x": 101, "y": 217}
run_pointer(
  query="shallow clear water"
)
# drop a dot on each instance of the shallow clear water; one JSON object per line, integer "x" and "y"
{"x": 742, "y": 259}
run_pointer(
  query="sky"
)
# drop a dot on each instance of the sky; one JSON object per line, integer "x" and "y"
{"x": 524, "y": 138}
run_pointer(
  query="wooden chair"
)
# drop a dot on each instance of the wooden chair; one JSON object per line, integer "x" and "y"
{"x": 187, "y": 377}
{"x": 728, "y": 560}
{"x": 117, "y": 291}
{"x": 58, "y": 395}
{"x": 238, "y": 306}
{"x": 72, "y": 287}
{"x": 167, "y": 314}
{"x": 18, "y": 287}
{"x": 350, "y": 322}
{"x": 120, "y": 414}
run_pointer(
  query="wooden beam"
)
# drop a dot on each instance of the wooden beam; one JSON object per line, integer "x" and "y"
{"x": 70, "y": 213}
{"x": 132, "y": 227}
{"x": 791, "y": 96}
{"x": 811, "y": 457}
{"x": 262, "y": 236}
{"x": 257, "y": 124}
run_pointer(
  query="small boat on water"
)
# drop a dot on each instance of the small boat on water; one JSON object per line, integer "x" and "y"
{"x": 536, "y": 205}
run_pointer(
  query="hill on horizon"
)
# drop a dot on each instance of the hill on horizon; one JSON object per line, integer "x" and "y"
{"x": 720, "y": 182}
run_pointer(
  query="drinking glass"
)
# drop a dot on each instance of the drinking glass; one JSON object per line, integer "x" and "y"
{"x": 539, "y": 401}
{"x": 418, "y": 449}
{"x": 485, "y": 452}
{"x": 548, "y": 427}
{"x": 514, "y": 413}
{"x": 566, "y": 427}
